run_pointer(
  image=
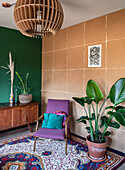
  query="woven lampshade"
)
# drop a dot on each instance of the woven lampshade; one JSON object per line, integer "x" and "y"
{"x": 36, "y": 18}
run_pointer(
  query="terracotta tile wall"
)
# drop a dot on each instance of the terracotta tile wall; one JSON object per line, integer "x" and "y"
{"x": 65, "y": 69}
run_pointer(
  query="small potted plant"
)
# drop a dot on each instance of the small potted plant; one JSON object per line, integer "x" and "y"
{"x": 98, "y": 119}
{"x": 24, "y": 97}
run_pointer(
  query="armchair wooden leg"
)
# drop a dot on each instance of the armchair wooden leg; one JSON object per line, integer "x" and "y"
{"x": 66, "y": 139}
{"x": 66, "y": 146}
{"x": 34, "y": 144}
{"x": 69, "y": 131}
{"x": 69, "y": 134}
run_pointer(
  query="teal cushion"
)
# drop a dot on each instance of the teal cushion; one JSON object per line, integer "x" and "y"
{"x": 52, "y": 121}
{"x": 45, "y": 120}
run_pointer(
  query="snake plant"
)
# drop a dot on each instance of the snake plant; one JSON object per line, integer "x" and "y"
{"x": 23, "y": 84}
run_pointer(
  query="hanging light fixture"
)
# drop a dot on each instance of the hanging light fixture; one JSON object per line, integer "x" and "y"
{"x": 38, "y": 18}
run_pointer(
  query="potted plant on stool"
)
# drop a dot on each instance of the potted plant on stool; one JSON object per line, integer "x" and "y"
{"x": 99, "y": 119}
{"x": 25, "y": 97}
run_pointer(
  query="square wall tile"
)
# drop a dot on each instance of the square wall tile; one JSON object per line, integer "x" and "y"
{"x": 77, "y": 109}
{"x": 76, "y": 58}
{"x": 116, "y": 25}
{"x": 43, "y": 110}
{"x": 59, "y": 80}
{"x": 59, "y": 95}
{"x": 117, "y": 135}
{"x": 60, "y": 39}
{"x": 47, "y": 80}
{"x": 47, "y": 61}
{"x": 77, "y": 128}
{"x": 47, "y": 44}
{"x": 98, "y": 75}
{"x": 113, "y": 75}
{"x": 95, "y": 30}
{"x": 116, "y": 54}
{"x": 75, "y": 81}
{"x": 45, "y": 96}
{"x": 60, "y": 59}
{"x": 70, "y": 95}
{"x": 76, "y": 35}
{"x": 103, "y": 55}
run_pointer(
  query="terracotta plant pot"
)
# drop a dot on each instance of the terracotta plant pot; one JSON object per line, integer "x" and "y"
{"x": 96, "y": 150}
{"x": 25, "y": 98}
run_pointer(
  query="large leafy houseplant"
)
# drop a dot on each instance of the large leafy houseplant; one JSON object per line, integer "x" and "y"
{"x": 100, "y": 118}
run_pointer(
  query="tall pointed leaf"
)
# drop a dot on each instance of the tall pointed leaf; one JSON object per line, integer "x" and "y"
{"x": 93, "y": 91}
{"x": 81, "y": 101}
{"x": 117, "y": 92}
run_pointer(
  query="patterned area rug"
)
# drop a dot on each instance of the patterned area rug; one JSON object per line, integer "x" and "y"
{"x": 17, "y": 154}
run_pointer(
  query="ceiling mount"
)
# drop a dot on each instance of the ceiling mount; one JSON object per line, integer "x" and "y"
{"x": 7, "y": 5}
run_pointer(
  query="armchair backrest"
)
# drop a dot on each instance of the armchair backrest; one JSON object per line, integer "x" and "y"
{"x": 58, "y": 105}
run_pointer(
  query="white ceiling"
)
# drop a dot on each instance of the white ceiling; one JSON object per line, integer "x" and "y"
{"x": 75, "y": 11}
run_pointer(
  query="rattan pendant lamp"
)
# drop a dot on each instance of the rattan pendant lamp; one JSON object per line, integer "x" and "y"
{"x": 38, "y": 18}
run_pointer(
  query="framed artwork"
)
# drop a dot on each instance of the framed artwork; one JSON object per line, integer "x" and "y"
{"x": 94, "y": 55}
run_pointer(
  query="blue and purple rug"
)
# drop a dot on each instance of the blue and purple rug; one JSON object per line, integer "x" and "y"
{"x": 17, "y": 154}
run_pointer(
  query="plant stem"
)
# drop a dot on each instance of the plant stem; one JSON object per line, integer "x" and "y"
{"x": 96, "y": 122}
{"x": 93, "y": 108}
{"x": 97, "y": 114}
{"x": 96, "y": 118}
{"x": 90, "y": 124}
{"x": 106, "y": 127}
{"x": 85, "y": 111}
{"x": 102, "y": 138}
{"x": 102, "y": 105}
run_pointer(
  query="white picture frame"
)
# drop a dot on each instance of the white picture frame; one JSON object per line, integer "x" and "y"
{"x": 94, "y": 55}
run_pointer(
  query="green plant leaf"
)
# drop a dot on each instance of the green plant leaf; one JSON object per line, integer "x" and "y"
{"x": 93, "y": 116}
{"x": 83, "y": 118}
{"x": 81, "y": 101}
{"x": 107, "y": 133}
{"x": 93, "y": 91}
{"x": 114, "y": 125}
{"x": 88, "y": 128}
{"x": 88, "y": 100}
{"x": 119, "y": 107}
{"x": 98, "y": 132}
{"x": 119, "y": 116}
{"x": 104, "y": 121}
{"x": 117, "y": 92}
{"x": 110, "y": 107}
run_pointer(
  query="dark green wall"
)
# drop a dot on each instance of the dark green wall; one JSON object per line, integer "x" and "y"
{"x": 26, "y": 53}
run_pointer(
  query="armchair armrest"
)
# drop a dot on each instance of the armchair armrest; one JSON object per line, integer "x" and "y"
{"x": 39, "y": 118}
{"x": 37, "y": 121}
{"x": 67, "y": 120}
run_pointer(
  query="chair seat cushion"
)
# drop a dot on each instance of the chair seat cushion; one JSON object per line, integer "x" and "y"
{"x": 51, "y": 133}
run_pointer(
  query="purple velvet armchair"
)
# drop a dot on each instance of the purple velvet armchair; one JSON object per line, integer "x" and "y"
{"x": 53, "y": 106}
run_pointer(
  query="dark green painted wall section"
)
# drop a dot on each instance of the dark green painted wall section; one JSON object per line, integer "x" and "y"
{"x": 26, "y": 53}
